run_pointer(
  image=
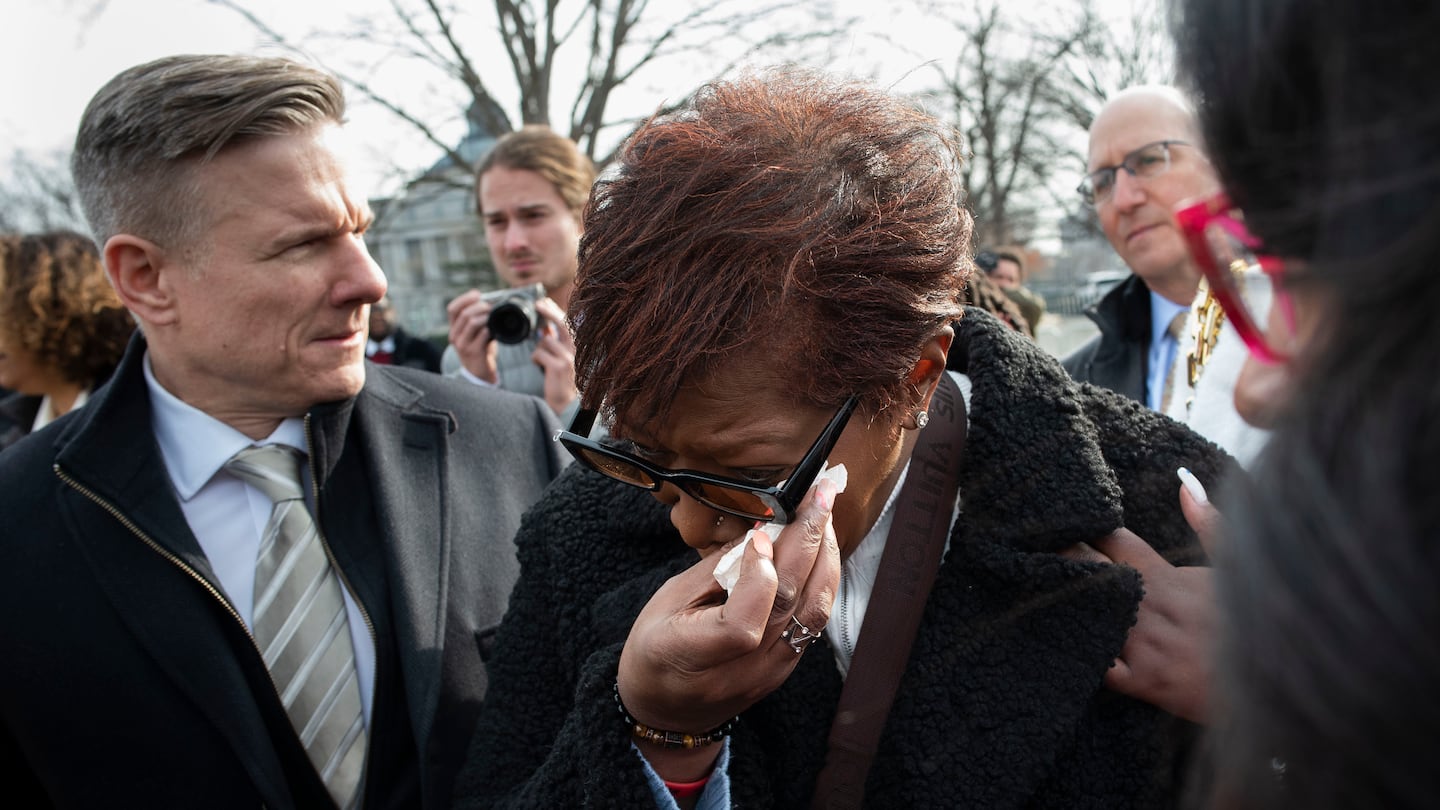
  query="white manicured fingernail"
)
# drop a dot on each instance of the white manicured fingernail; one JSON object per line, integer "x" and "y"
{"x": 762, "y": 543}
{"x": 1193, "y": 485}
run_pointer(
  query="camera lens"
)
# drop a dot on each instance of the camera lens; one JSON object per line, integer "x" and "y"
{"x": 513, "y": 320}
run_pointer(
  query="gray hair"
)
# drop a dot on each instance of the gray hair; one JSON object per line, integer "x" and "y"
{"x": 146, "y": 130}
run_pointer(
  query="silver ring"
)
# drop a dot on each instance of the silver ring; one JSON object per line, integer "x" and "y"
{"x": 798, "y": 636}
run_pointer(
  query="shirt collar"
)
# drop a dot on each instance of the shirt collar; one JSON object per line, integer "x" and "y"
{"x": 1162, "y": 312}
{"x": 195, "y": 445}
{"x": 45, "y": 414}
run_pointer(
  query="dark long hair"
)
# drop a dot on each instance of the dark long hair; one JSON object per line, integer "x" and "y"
{"x": 1322, "y": 121}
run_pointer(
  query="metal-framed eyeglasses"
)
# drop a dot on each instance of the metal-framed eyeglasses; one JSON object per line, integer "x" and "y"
{"x": 771, "y": 504}
{"x": 1150, "y": 160}
{"x": 1225, "y": 251}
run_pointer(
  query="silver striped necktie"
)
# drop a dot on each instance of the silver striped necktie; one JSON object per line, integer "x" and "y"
{"x": 300, "y": 626}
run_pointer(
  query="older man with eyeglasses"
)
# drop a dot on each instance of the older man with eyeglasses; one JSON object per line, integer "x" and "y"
{"x": 1163, "y": 340}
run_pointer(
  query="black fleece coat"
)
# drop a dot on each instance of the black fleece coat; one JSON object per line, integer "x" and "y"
{"x": 1002, "y": 703}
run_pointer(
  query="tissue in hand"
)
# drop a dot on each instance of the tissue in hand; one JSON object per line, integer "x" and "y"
{"x": 728, "y": 569}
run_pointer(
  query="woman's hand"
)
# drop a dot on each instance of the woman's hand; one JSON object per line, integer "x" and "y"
{"x": 695, "y": 659}
{"x": 1166, "y": 660}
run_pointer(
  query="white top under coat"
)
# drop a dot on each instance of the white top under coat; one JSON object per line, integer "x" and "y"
{"x": 857, "y": 575}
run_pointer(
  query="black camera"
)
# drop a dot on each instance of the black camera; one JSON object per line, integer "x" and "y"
{"x": 513, "y": 318}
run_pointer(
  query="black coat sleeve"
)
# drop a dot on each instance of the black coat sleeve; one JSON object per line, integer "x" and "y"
{"x": 550, "y": 734}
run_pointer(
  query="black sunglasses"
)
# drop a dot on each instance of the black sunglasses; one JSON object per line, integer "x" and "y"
{"x": 768, "y": 504}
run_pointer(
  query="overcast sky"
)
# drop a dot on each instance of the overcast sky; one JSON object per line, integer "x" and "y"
{"x": 56, "y": 59}
{"x": 60, "y": 52}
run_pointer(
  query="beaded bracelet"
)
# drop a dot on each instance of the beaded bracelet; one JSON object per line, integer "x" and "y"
{"x": 671, "y": 739}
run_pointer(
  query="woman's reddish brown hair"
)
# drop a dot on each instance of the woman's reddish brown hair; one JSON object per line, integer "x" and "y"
{"x": 811, "y": 226}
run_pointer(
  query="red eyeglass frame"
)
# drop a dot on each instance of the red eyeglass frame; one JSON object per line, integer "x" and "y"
{"x": 1195, "y": 218}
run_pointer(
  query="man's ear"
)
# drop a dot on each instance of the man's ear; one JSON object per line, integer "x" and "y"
{"x": 925, "y": 376}
{"x": 140, "y": 275}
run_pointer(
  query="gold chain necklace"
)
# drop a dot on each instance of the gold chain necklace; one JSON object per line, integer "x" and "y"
{"x": 1209, "y": 317}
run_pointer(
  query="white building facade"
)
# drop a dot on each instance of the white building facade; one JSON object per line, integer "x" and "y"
{"x": 429, "y": 239}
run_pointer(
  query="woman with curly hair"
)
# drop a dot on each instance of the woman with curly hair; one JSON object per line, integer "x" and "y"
{"x": 62, "y": 328}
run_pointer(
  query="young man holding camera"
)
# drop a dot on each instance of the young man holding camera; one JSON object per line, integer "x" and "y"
{"x": 530, "y": 191}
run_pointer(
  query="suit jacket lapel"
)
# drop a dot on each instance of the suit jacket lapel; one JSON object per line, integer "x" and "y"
{"x": 411, "y": 509}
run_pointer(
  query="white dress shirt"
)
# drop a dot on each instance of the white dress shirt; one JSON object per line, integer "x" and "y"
{"x": 1208, "y": 406}
{"x": 857, "y": 575}
{"x": 386, "y": 345}
{"x": 46, "y": 414}
{"x": 227, "y": 515}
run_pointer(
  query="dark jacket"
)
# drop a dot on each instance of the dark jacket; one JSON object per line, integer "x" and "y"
{"x": 1002, "y": 703}
{"x": 18, "y": 411}
{"x": 129, "y": 679}
{"x": 17, "y": 416}
{"x": 412, "y": 351}
{"x": 1118, "y": 357}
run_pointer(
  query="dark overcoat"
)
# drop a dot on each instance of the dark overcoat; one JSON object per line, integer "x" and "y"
{"x": 1002, "y": 703}
{"x": 128, "y": 677}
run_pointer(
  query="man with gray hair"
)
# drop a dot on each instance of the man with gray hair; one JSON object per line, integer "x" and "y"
{"x": 1144, "y": 158}
{"x": 1160, "y": 344}
{"x": 256, "y": 570}
{"x": 1157, "y": 343}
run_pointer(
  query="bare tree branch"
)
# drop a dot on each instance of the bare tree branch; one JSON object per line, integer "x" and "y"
{"x": 1022, "y": 89}
{"x": 1000, "y": 97}
{"x": 467, "y": 73}
{"x": 624, "y": 38}
{"x": 37, "y": 194}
